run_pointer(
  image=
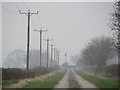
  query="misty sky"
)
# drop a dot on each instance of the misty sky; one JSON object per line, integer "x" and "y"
{"x": 0, "y": 34}
{"x": 71, "y": 25}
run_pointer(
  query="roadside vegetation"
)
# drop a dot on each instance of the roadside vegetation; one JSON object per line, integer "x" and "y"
{"x": 49, "y": 82}
{"x": 102, "y": 83}
{"x": 18, "y": 74}
{"x": 8, "y": 82}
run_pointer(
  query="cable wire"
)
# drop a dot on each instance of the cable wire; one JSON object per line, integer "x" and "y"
{"x": 25, "y": 5}
{"x": 8, "y": 10}
{"x": 18, "y": 10}
{"x": 15, "y": 5}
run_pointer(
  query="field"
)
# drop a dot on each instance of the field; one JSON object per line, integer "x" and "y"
{"x": 102, "y": 83}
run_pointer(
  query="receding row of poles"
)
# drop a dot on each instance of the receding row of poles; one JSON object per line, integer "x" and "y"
{"x": 40, "y": 31}
{"x": 29, "y": 14}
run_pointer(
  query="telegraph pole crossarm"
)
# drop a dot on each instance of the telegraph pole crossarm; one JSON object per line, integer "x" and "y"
{"x": 28, "y": 13}
{"x": 42, "y": 30}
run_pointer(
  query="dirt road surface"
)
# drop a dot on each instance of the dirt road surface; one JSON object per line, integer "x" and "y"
{"x": 72, "y": 80}
{"x": 63, "y": 83}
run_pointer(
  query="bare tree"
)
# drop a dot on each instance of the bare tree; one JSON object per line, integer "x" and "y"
{"x": 98, "y": 51}
{"x": 115, "y": 27}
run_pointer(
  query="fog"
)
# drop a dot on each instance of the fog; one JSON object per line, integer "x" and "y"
{"x": 17, "y": 59}
{"x": 71, "y": 25}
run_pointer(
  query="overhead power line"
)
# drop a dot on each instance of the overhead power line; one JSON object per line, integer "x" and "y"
{"x": 9, "y": 10}
{"x": 16, "y": 6}
{"x": 25, "y": 5}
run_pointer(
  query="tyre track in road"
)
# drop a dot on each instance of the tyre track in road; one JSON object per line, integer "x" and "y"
{"x": 63, "y": 83}
{"x": 73, "y": 83}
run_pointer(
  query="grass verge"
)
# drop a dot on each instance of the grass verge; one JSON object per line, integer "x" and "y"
{"x": 49, "y": 83}
{"x": 8, "y": 82}
{"x": 99, "y": 82}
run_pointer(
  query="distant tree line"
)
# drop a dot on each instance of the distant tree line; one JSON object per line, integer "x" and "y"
{"x": 97, "y": 53}
{"x": 17, "y": 59}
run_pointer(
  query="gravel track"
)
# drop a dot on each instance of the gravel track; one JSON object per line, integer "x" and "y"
{"x": 73, "y": 80}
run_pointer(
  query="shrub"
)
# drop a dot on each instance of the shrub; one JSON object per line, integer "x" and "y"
{"x": 112, "y": 70}
{"x": 15, "y": 73}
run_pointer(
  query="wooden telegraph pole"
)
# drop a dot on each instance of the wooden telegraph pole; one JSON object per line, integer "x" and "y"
{"x": 28, "y": 14}
{"x": 66, "y": 58}
{"x": 41, "y": 31}
{"x": 51, "y": 53}
{"x": 57, "y": 56}
{"x": 58, "y": 59}
{"x": 48, "y": 49}
{"x": 54, "y": 55}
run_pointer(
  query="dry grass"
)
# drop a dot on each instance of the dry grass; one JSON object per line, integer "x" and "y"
{"x": 23, "y": 82}
{"x": 100, "y": 75}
